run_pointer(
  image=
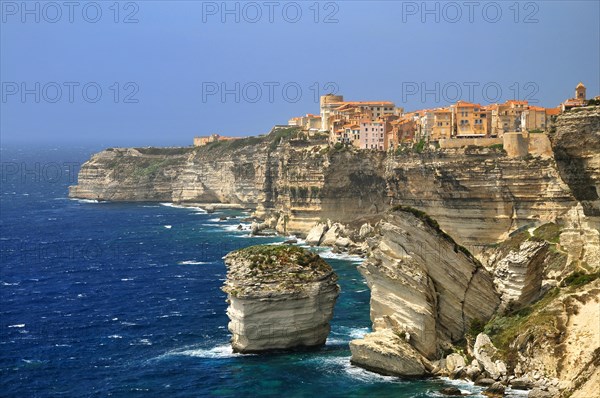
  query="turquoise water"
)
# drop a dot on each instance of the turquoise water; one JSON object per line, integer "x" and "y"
{"x": 124, "y": 300}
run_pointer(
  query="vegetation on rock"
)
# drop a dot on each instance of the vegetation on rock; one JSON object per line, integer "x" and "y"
{"x": 267, "y": 269}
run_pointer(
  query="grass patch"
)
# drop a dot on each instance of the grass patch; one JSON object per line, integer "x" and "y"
{"x": 549, "y": 232}
{"x": 231, "y": 145}
{"x": 535, "y": 320}
{"x": 165, "y": 151}
{"x": 152, "y": 167}
{"x": 579, "y": 278}
{"x": 279, "y": 135}
{"x": 477, "y": 326}
{"x": 284, "y": 257}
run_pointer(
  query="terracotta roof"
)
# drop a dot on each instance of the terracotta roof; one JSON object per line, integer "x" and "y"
{"x": 574, "y": 102}
{"x": 552, "y": 111}
{"x": 466, "y": 104}
{"x": 367, "y": 103}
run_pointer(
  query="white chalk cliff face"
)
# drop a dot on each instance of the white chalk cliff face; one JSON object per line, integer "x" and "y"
{"x": 280, "y": 297}
{"x": 424, "y": 287}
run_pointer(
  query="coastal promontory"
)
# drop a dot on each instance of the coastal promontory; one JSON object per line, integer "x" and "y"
{"x": 280, "y": 297}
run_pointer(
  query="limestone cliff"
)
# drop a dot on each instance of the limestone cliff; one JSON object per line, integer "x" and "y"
{"x": 280, "y": 297}
{"x": 477, "y": 195}
{"x": 424, "y": 286}
{"x": 576, "y": 145}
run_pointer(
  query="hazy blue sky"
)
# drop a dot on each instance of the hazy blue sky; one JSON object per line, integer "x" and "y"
{"x": 171, "y": 62}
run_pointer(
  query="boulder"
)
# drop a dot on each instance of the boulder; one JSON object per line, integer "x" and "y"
{"x": 342, "y": 242}
{"x": 522, "y": 383}
{"x": 484, "y": 381}
{"x": 315, "y": 234}
{"x": 331, "y": 235}
{"x": 386, "y": 353}
{"x": 451, "y": 391}
{"x": 484, "y": 351}
{"x": 495, "y": 390}
{"x": 540, "y": 392}
{"x": 455, "y": 362}
{"x": 365, "y": 230}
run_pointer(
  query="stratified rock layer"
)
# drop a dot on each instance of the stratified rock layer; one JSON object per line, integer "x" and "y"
{"x": 518, "y": 276}
{"x": 424, "y": 287}
{"x": 280, "y": 297}
{"x": 478, "y": 195}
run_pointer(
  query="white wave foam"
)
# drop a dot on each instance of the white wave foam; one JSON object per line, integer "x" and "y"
{"x": 141, "y": 342}
{"x": 194, "y": 208}
{"x": 192, "y": 262}
{"x": 115, "y": 336}
{"x": 168, "y": 226}
{"x": 335, "y": 342}
{"x": 19, "y": 325}
{"x": 358, "y": 333}
{"x": 10, "y": 284}
{"x": 89, "y": 200}
{"x": 220, "y": 351}
{"x": 340, "y": 256}
{"x": 343, "y": 365}
{"x": 234, "y": 228}
{"x": 466, "y": 387}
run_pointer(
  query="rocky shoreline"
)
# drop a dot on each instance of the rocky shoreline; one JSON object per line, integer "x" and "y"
{"x": 487, "y": 272}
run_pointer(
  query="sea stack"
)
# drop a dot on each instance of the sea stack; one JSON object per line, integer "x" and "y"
{"x": 280, "y": 297}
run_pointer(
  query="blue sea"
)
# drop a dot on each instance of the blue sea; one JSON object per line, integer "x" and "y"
{"x": 124, "y": 300}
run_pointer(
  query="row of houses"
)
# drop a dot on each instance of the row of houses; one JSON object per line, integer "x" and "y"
{"x": 381, "y": 125}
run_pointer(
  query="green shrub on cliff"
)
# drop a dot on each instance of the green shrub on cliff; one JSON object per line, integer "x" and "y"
{"x": 537, "y": 319}
{"x": 284, "y": 257}
{"x": 279, "y": 135}
{"x": 549, "y": 232}
{"x": 420, "y": 146}
{"x": 579, "y": 278}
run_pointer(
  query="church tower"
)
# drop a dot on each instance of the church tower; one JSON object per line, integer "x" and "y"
{"x": 580, "y": 92}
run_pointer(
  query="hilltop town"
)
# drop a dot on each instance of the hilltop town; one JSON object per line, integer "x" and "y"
{"x": 382, "y": 126}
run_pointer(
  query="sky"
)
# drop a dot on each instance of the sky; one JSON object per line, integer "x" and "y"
{"x": 141, "y": 73}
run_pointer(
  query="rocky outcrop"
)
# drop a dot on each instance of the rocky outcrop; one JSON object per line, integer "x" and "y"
{"x": 518, "y": 276}
{"x": 485, "y": 352}
{"x": 425, "y": 287}
{"x": 280, "y": 297}
{"x": 554, "y": 344}
{"x": 315, "y": 235}
{"x": 387, "y": 353}
{"x": 580, "y": 238}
